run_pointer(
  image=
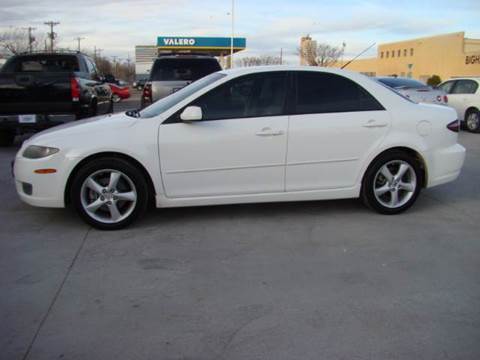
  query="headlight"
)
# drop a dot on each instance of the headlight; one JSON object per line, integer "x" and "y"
{"x": 38, "y": 152}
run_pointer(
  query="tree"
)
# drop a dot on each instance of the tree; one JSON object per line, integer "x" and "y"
{"x": 15, "y": 41}
{"x": 434, "y": 81}
{"x": 320, "y": 54}
{"x": 259, "y": 60}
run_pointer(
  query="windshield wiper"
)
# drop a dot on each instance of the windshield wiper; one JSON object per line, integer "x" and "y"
{"x": 133, "y": 113}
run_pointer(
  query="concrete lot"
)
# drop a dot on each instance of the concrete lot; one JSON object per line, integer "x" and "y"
{"x": 318, "y": 280}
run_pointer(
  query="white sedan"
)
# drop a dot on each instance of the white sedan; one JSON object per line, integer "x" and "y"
{"x": 241, "y": 136}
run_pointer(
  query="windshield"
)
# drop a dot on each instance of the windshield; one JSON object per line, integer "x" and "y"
{"x": 167, "y": 102}
{"x": 398, "y": 83}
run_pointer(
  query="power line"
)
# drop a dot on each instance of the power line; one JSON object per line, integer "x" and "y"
{"x": 51, "y": 34}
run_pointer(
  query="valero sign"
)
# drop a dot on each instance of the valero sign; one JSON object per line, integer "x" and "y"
{"x": 169, "y": 42}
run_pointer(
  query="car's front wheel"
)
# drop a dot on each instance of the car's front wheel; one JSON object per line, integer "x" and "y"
{"x": 392, "y": 183}
{"x": 109, "y": 193}
{"x": 472, "y": 121}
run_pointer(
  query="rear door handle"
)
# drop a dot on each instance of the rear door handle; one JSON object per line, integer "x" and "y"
{"x": 374, "y": 124}
{"x": 269, "y": 132}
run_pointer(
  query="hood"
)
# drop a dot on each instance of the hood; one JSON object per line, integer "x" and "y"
{"x": 94, "y": 125}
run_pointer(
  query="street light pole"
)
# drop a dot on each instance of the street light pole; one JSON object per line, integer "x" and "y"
{"x": 79, "y": 39}
{"x": 233, "y": 33}
{"x": 51, "y": 34}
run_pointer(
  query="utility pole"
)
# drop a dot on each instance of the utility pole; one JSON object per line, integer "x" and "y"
{"x": 31, "y": 38}
{"x": 79, "y": 39}
{"x": 51, "y": 34}
{"x": 281, "y": 56}
{"x": 96, "y": 53}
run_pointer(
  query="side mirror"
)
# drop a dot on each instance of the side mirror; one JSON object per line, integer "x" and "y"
{"x": 191, "y": 113}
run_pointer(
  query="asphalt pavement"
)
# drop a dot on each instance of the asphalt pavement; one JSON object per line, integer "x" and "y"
{"x": 312, "y": 280}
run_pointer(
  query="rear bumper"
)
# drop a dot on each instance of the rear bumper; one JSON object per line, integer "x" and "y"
{"x": 445, "y": 165}
{"x": 11, "y": 122}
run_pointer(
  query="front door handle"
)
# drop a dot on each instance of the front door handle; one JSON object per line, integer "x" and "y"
{"x": 374, "y": 124}
{"x": 269, "y": 132}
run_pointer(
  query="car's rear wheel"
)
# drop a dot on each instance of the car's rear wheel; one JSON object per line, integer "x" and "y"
{"x": 109, "y": 193}
{"x": 392, "y": 183}
{"x": 6, "y": 138}
{"x": 472, "y": 121}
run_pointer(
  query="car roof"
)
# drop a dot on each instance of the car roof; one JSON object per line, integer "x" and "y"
{"x": 269, "y": 68}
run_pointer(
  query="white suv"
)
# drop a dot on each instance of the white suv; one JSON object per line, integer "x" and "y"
{"x": 464, "y": 97}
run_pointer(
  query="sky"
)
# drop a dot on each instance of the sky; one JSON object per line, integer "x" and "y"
{"x": 117, "y": 26}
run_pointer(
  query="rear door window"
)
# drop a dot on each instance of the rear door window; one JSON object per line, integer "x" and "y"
{"x": 329, "y": 93}
{"x": 447, "y": 86}
{"x": 465, "y": 87}
{"x": 183, "y": 69}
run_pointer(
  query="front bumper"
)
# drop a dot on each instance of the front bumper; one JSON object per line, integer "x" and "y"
{"x": 44, "y": 190}
{"x": 445, "y": 165}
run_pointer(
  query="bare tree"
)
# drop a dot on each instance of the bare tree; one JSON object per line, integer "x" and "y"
{"x": 259, "y": 60}
{"x": 14, "y": 41}
{"x": 320, "y": 54}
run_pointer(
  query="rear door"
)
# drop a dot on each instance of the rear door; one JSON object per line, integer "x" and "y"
{"x": 462, "y": 96}
{"x": 335, "y": 124}
{"x": 238, "y": 148}
{"x": 169, "y": 75}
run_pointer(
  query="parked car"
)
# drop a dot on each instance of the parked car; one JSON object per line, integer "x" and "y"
{"x": 139, "y": 84}
{"x": 41, "y": 90}
{"x": 119, "y": 92}
{"x": 223, "y": 140}
{"x": 415, "y": 90}
{"x": 170, "y": 73}
{"x": 464, "y": 97}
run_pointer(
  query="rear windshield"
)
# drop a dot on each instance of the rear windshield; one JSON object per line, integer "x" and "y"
{"x": 42, "y": 63}
{"x": 183, "y": 69}
{"x": 396, "y": 83}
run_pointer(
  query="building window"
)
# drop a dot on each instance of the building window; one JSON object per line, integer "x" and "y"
{"x": 388, "y": 54}
{"x": 405, "y": 52}
{"x": 411, "y": 52}
{"x": 398, "y": 53}
{"x": 381, "y": 55}
{"x": 393, "y": 53}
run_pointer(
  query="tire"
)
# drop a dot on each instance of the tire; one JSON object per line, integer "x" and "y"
{"x": 472, "y": 121}
{"x": 110, "y": 107}
{"x": 389, "y": 192}
{"x": 7, "y": 138}
{"x": 116, "y": 98}
{"x": 106, "y": 201}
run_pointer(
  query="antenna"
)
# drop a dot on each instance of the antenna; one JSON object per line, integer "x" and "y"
{"x": 363, "y": 52}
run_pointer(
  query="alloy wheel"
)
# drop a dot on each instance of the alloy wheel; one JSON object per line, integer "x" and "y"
{"x": 473, "y": 121}
{"x": 395, "y": 184}
{"x": 108, "y": 196}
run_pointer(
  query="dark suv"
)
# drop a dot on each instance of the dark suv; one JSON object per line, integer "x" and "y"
{"x": 170, "y": 73}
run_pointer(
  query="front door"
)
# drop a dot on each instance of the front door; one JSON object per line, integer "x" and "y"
{"x": 238, "y": 147}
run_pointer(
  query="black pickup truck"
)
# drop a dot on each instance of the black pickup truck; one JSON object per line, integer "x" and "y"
{"x": 41, "y": 90}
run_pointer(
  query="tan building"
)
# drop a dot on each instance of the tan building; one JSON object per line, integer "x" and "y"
{"x": 448, "y": 55}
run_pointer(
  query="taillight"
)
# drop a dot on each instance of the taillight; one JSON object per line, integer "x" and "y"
{"x": 445, "y": 99}
{"x": 147, "y": 92}
{"x": 75, "y": 89}
{"x": 454, "y": 126}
